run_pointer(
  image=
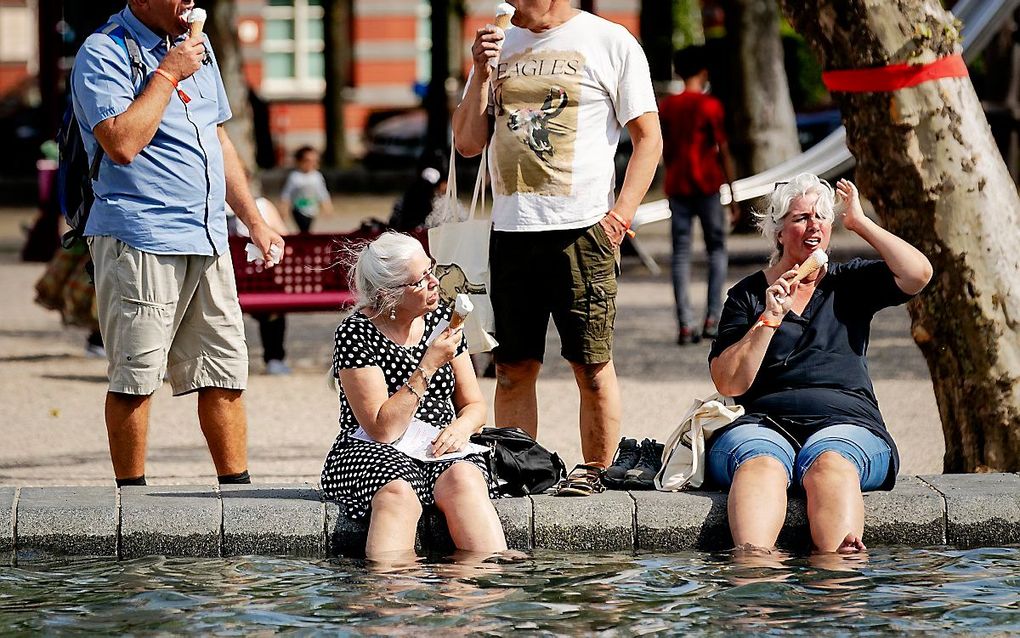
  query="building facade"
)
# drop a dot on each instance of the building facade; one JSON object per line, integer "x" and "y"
{"x": 283, "y": 47}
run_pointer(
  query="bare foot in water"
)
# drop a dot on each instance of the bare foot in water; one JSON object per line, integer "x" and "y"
{"x": 851, "y": 545}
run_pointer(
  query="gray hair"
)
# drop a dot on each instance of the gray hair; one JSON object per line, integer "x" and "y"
{"x": 770, "y": 222}
{"x": 377, "y": 270}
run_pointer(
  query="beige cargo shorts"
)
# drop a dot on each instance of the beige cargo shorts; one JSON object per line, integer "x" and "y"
{"x": 168, "y": 315}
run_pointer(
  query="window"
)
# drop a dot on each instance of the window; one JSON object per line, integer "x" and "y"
{"x": 293, "y": 42}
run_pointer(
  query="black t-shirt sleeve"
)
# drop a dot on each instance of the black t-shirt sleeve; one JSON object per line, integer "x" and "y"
{"x": 739, "y": 313}
{"x": 351, "y": 348}
{"x": 871, "y": 285}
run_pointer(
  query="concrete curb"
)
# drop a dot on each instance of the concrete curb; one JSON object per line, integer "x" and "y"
{"x": 294, "y": 520}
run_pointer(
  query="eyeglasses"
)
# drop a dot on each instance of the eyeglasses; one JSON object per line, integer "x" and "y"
{"x": 421, "y": 283}
{"x": 776, "y": 186}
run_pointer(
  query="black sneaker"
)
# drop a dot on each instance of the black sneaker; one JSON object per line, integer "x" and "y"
{"x": 626, "y": 458}
{"x": 642, "y": 476}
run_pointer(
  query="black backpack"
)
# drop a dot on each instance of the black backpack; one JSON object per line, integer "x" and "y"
{"x": 75, "y": 173}
{"x": 516, "y": 458}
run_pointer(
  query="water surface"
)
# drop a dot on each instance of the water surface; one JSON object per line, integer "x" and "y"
{"x": 894, "y": 590}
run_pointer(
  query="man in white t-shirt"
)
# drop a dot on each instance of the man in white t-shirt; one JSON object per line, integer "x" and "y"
{"x": 564, "y": 84}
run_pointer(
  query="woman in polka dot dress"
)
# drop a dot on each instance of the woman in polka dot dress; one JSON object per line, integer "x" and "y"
{"x": 388, "y": 374}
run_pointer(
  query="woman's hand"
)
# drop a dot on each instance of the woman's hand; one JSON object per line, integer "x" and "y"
{"x": 849, "y": 205}
{"x": 442, "y": 350}
{"x": 779, "y": 296}
{"x": 453, "y": 438}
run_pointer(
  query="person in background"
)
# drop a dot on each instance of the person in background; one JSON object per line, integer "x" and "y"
{"x": 416, "y": 204}
{"x": 272, "y": 326}
{"x": 698, "y": 162}
{"x": 304, "y": 192}
{"x": 794, "y": 355}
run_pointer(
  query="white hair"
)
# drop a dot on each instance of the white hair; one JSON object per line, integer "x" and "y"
{"x": 770, "y": 222}
{"x": 378, "y": 270}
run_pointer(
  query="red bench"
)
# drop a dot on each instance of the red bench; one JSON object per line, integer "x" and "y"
{"x": 308, "y": 280}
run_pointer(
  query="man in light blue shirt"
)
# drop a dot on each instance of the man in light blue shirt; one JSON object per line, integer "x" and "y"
{"x": 157, "y": 230}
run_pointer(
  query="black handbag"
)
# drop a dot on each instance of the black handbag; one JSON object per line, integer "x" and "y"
{"x": 522, "y": 465}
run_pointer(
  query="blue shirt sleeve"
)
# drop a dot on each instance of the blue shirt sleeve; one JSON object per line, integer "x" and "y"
{"x": 101, "y": 80}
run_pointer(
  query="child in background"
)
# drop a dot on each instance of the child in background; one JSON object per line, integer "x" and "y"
{"x": 272, "y": 326}
{"x": 304, "y": 193}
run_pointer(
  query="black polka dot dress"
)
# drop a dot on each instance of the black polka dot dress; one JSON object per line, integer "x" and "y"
{"x": 354, "y": 469}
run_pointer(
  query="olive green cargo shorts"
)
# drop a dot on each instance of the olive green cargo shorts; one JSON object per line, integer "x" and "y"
{"x": 569, "y": 275}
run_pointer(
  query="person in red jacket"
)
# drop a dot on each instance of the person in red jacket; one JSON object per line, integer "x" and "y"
{"x": 698, "y": 162}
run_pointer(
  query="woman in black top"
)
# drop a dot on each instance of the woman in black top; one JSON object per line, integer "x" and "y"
{"x": 794, "y": 355}
{"x": 388, "y": 375}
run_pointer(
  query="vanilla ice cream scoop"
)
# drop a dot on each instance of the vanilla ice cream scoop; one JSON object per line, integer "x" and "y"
{"x": 815, "y": 261}
{"x": 462, "y": 307}
{"x": 196, "y": 21}
{"x": 504, "y": 12}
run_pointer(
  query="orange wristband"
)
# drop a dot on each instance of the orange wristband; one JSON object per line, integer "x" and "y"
{"x": 170, "y": 78}
{"x": 626, "y": 226}
{"x": 761, "y": 320}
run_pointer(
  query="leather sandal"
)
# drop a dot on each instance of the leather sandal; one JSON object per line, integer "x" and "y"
{"x": 583, "y": 480}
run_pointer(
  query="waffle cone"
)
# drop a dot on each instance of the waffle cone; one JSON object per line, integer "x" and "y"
{"x": 196, "y": 28}
{"x": 809, "y": 266}
{"x": 456, "y": 321}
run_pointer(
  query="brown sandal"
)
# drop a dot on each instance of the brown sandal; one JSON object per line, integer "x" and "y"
{"x": 583, "y": 480}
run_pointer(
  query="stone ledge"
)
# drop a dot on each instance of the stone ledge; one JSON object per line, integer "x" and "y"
{"x": 294, "y": 520}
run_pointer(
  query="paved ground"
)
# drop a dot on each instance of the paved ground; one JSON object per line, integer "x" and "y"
{"x": 52, "y": 424}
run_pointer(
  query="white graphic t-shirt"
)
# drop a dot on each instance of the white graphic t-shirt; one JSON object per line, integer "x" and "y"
{"x": 560, "y": 99}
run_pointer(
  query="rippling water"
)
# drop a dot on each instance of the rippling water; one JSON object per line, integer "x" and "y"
{"x": 893, "y": 590}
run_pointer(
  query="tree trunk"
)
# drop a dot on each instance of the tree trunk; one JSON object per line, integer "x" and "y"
{"x": 764, "y": 124}
{"x": 657, "y": 38}
{"x": 927, "y": 160}
{"x": 437, "y": 102}
{"x": 338, "y": 17}
{"x": 222, "y": 30}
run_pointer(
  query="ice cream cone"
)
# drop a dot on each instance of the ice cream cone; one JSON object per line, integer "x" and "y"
{"x": 815, "y": 261}
{"x": 504, "y": 12}
{"x": 461, "y": 309}
{"x": 196, "y": 22}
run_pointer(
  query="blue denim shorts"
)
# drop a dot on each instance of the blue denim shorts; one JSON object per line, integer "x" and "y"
{"x": 866, "y": 450}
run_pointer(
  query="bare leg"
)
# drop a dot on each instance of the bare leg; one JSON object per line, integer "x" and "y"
{"x": 516, "y": 402}
{"x": 600, "y": 411}
{"x": 463, "y": 497}
{"x": 757, "y": 502}
{"x": 835, "y": 506}
{"x": 127, "y": 427}
{"x": 394, "y": 520}
{"x": 225, "y": 426}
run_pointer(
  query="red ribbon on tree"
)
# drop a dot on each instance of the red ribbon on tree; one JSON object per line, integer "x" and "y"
{"x": 895, "y": 76}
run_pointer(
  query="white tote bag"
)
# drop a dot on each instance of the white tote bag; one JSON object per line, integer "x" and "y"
{"x": 683, "y": 457}
{"x": 461, "y": 250}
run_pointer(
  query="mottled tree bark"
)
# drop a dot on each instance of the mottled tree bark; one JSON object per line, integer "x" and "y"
{"x": 765, "y": 127}
{"x": 927, "y": 161}
{"x": 222, "y": 30}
